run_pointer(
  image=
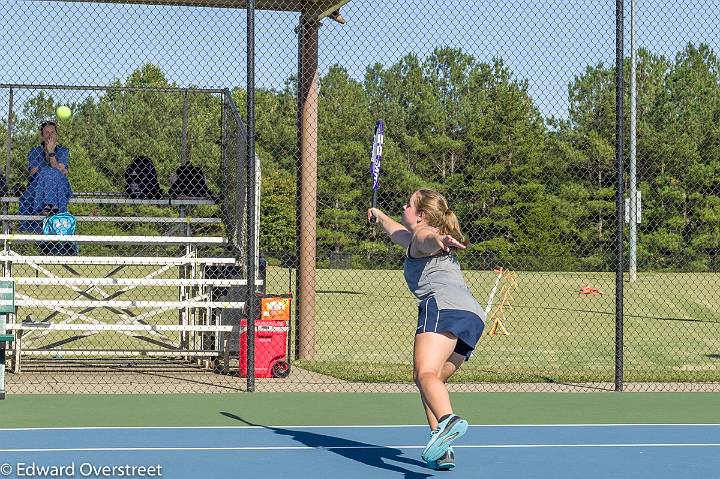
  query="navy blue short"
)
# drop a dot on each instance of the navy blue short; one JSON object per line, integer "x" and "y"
{"x": 465, "y": 325}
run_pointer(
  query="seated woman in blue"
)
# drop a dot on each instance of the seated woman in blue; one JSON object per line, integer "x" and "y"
{"x": 48, "y": 189}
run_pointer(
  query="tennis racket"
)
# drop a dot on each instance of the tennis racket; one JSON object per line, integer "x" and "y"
{"x": 375, "y": 157}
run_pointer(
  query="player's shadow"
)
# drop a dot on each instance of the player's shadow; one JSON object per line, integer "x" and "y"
{"x": 369, "y": 454}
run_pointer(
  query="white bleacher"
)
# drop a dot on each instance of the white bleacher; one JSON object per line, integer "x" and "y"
{"x": 121, "y": 219}
{"x": 86, "y": 294}
{"x": 13, "y": 257}
{"x": 167, "y": 294}
{"x": 114, "y": 200}
{"x": 165, "y": 240}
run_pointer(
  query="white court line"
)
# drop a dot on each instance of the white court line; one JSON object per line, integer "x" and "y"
{"x": 90, "y": 428}
{"x": 331, "y": 448}
{"x": 355, "y": 426}
{"x": 368, "y": 426}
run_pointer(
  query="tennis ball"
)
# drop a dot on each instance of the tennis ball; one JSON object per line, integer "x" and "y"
{"x": 63, "y": 112}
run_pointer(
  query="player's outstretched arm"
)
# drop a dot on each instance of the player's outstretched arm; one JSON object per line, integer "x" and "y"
{"x": 397, "y": 232}
{"x": 429, "y": 242}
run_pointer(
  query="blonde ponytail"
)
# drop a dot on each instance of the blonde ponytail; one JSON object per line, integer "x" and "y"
{"x": 439, "y": 215}
{"x": 451, "y": 226}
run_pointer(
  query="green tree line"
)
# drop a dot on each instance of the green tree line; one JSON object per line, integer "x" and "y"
{"x": 530, "y": 192}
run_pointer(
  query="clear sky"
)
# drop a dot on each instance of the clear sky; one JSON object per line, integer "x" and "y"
{"x": 547, "y": 42}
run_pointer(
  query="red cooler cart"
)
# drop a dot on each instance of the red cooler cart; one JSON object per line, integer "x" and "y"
{"x": 271, "y": 338}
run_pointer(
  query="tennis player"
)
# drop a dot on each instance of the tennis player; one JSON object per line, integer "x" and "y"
{"x": 450, "y": 320}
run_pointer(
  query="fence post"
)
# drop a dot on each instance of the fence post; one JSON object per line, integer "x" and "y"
{"x": 251, "y": 261}
{"x": 619, "y": 194}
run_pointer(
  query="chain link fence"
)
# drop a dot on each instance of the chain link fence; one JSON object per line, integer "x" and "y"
{"x": 508, "y": 110}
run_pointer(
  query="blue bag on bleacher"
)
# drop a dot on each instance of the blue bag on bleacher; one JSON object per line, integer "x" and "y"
{"x": 59, "y": 224}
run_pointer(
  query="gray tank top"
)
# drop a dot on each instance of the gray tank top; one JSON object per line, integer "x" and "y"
{"x": 440, "y": 276}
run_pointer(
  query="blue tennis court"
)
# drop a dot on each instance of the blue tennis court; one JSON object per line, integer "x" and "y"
{"x": 511, "y": 451}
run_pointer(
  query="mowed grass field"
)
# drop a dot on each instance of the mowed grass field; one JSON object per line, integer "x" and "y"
{"x": 365, "y": 325}
{"x": 366, "y": 319}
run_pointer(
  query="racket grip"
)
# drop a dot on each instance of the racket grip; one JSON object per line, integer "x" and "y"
{"x": 373, "y": 204}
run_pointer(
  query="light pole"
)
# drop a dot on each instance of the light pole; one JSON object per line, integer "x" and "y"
{"x": 633, "y": 141}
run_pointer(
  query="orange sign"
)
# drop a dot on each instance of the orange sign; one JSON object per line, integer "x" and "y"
{"x": 277, "y": 309}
